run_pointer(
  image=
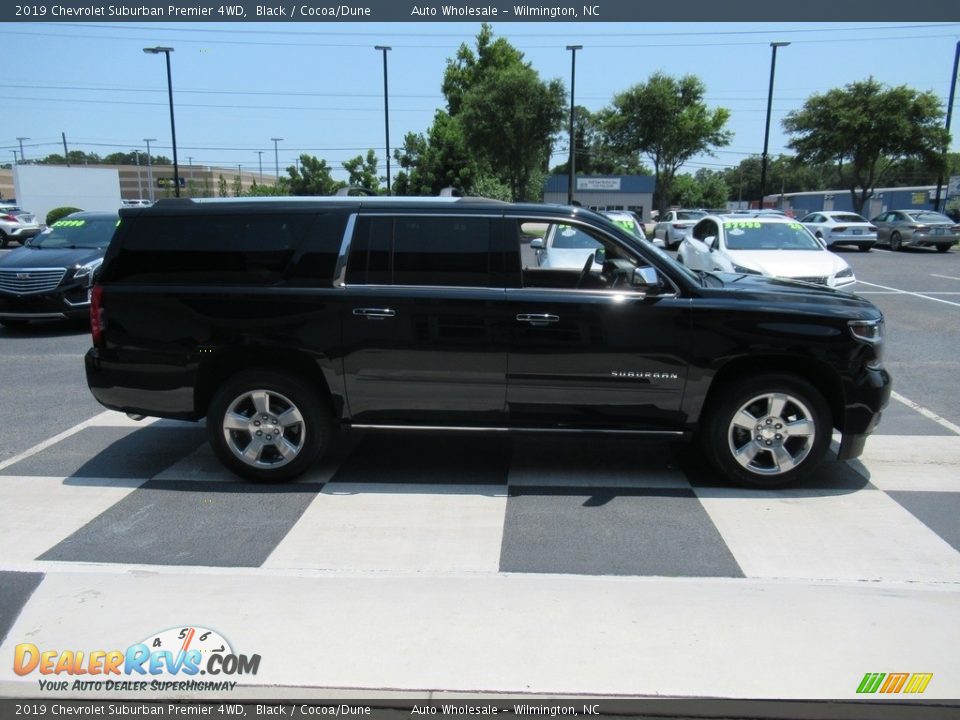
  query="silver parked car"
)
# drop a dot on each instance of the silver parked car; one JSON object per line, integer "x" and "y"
{"x": 836, "y": 227}
{"x": 673, "y": 226}
{"x": 565, "y": 247}
{"x": 916, "y": 228}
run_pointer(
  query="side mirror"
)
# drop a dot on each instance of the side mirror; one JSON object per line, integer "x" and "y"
{"x": 711, "y": 242}
{"x": 645, "y": 278}
{"x": 537, "y": 243}
{"x": 600, "y": 256}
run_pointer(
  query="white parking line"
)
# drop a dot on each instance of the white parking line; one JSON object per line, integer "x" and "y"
{"x": 55, "y": 439}
{"x": 943, "y": 422}
{"x": 946, "y": 277}
{"x": 907, "y": 292}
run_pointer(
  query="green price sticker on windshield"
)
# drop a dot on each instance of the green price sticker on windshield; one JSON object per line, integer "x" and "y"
{"x": 741, "y": 224}
{"x": 69, "y": 223}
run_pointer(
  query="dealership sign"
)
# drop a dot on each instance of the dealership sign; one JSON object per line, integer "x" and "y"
{"x": 598, "y": 183}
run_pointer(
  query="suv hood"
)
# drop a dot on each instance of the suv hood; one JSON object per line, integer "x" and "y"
{"x": 779, "y": 293}
{"x": 31, "y": 257}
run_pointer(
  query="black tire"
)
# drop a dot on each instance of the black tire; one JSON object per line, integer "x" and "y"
{"x": 284, "y": 450}
{"x": 775, "y": 403}
{"x": 3, "y": 240}
{"x": 943, "y": 248}
{"x": 864, "y": 248}
{"x": 896, "y": 242}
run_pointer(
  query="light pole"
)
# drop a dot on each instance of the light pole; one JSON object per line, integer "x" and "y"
{"x": 173, "y": 128}
{"x": 136, "y": 159}
{"x": 953, "y": 90}
{"x": 150, "y": 167}
{"x": 766, "y": 132}
{"x": 260, "y": 163}
{"x": 386, "y": 109}
{"x": 276, "y": 158}
{"x": 23, "y": 158}
{"x": 16, "y": 160}
{"x": 573, "y": 78}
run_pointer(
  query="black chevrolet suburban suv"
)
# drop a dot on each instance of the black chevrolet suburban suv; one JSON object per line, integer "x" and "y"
{"x": 280, "y": 319}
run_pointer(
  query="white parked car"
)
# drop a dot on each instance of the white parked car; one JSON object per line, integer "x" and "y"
{"x": 836, "y": 227}
{"x": 629, "y": 222}
{"x": 564, "y": 247}
{"x": 673, "y": 226}
{"x": 764, "y": 245}
{"x": 17, "y": 224}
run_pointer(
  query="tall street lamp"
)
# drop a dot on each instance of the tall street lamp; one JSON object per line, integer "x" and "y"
{"x": 766, "y": 132}
{"x": 23, "y": 158}
{"x": 953, "y": 90}
{"x": 276, "y": 157}
{"x": 173, "y": 128}
{"x": 573, "y": 76}
{"x": 150, "y": 166}
{"x": 260, "y": 163}
{"x": 386, "y": 108}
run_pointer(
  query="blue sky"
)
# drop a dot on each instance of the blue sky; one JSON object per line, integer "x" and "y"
{"x": 319, "y": 86}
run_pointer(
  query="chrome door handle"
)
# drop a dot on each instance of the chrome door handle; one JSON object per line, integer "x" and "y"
{"x": 374, "y": 313}
{"x": 538, "y": 319}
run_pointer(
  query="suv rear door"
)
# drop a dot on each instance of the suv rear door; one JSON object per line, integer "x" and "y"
{"x": 422, "y": 320}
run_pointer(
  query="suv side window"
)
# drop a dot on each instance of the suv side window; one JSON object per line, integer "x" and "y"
{"x": 705, "y": 229}
{"x": 209, "y": 249}
{"x": 421, "y": 250}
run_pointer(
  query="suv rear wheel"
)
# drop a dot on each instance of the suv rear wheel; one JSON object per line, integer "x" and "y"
{"x": 768, "y": 431}
{"x": 267, "y": 426}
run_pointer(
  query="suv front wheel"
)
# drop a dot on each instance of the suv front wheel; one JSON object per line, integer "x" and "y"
{"x": 267, "y": 426}
{"x": 768, "y": 431}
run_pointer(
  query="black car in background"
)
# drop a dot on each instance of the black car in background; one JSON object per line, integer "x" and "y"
{"x": 51, "y": 276}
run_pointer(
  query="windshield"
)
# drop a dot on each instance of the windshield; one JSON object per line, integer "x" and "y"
{"x": 930, "y": 217}
{"x": 690, "y": 215}
{"x": 568, "y": 238}
{"x": 756, "y": 235}
{"x": 78, "y": 233}
{"x": 849, "y": 218}
{"x": 628, "y": 223}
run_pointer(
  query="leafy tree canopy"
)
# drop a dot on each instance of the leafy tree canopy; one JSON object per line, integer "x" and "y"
{"x": 667, "y": 120}
{"x": 312, "y": 178}
{"x": 863, "y": 129}
{"x": 363, "y": 171}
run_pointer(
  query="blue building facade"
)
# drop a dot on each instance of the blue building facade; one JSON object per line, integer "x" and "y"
{"x": 604, "y": 192}
{"x": 883, "y": 199}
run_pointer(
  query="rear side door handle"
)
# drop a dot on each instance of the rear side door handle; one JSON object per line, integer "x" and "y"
{"x": 374, "y": 313}
{"x": 538, "y": 319}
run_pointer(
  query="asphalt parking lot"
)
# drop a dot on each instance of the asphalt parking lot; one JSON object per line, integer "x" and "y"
{"x": 487, "y": 564}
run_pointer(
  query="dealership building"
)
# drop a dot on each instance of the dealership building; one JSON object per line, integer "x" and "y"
{"x": 901, "y": 198}
{"x": 604, "y": 192}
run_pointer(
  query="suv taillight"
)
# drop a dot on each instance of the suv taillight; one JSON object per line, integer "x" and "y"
{"x": 96, "y": 315}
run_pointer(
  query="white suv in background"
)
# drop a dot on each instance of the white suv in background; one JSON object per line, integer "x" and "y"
{"x": 16, "y": 224}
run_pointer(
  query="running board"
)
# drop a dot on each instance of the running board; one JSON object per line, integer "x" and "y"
{"x": 453, "y": 428}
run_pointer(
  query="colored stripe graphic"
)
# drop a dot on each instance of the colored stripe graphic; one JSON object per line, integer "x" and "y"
{"x": 870, "y": 682}
{"x": 894, "y": 683}
{"x": 918, "y": 682}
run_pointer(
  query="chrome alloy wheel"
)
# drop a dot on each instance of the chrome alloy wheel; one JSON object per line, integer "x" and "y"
{"x": 264, "y": 429}
{"x": 772, "y": 433}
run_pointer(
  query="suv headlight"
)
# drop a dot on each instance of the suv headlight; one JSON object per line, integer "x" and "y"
{"x": 845, "y": 273}
{"x": 748, "y": 271}
{"x": 86, "y": 271}
{"x": 871, "y": 333}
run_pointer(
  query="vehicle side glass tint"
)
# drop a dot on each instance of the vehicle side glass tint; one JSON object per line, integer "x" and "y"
{"x": 451, "y": 251}
{"x": 369, "y": 262}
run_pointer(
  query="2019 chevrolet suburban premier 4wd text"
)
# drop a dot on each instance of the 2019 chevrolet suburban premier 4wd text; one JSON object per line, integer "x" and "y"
{"x": 281, "y": 319}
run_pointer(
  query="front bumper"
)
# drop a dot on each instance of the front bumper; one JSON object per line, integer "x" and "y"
{"x": 66, "y": 302}
{"x": 864, "y": 408}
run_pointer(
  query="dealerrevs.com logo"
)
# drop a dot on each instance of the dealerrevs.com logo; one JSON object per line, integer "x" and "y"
{"x": 170, "y": 660}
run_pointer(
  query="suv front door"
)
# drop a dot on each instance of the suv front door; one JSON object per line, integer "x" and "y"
{"x": 587, "y": 349}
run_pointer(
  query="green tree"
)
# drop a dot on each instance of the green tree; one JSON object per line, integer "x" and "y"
{"x": 510, "y": 117}
{"x": 863, "y": 129}
{"x": 667, "y": 120}
{"x": 363, "y": 171}
{"x": 470, "y": 67}
{"x": 440, "y": 159}
{"x": 594, "y": 156}
{"x": 312, "y": 178}
{"x": 222, "y": 187}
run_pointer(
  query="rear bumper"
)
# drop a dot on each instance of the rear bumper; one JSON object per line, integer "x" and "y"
{"x": 154, "y": 389}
